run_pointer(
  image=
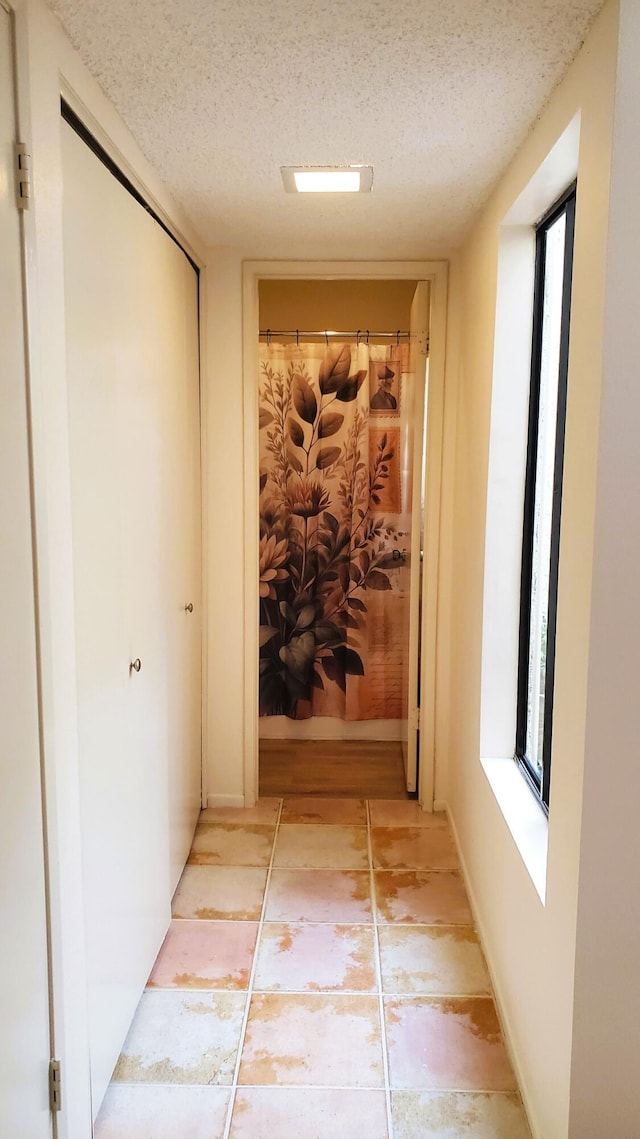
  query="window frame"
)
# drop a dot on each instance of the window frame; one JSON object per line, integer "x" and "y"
{"x": 540, "y": 785}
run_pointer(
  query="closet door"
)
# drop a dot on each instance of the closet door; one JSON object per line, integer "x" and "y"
{"x": 123, "y": 760}
{"x": 125, "y": 297}
{"x": 176, "y": 304}
{"x": 24, "y": 976}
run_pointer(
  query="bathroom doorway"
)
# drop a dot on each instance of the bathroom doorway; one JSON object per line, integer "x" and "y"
{"x": 341, "y": 416}
{"x": 341, "y": 593}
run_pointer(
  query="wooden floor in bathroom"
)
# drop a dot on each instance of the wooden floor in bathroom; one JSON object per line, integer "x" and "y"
{"x": 341, "y": 768}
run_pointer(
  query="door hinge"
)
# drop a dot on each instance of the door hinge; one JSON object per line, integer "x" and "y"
{"x": 23, "y": 176}
{"x": 55, "y": 1085}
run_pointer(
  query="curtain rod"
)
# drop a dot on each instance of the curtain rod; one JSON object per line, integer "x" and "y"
{"x": 360, "y": 334}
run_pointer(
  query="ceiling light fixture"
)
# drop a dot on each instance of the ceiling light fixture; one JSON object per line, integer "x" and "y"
{"x": 327, "y": 179}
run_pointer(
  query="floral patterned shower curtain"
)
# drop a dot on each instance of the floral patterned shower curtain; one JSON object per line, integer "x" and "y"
{"x": 333, "y": 531}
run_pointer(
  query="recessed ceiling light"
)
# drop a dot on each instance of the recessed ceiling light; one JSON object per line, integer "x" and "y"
{"x": 327, "y": 179}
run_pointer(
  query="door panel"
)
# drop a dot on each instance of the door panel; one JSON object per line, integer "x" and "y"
{"x": 122, "y": 764}
{"x": 177, "y": 310}
{"x": 24, "y": 980}
{"x": 125, "y": 298}
{"x": 419, "y": 332}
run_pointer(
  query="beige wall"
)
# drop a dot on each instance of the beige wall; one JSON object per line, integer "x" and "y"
{"x": 605, "y": 1096}
{"x": 530, "y": 945}
{"x": 224, "y": 533}
{"x": 344, "y": 306}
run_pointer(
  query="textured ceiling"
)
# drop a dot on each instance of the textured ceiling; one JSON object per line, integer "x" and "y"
{"x": 436, "y": 94}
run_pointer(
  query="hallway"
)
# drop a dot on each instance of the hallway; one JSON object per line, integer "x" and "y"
{"x": 321, "y": 979}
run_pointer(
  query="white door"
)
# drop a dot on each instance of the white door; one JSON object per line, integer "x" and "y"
{"x": 131, "y": 307}
{"x": 185, "y": 592}
{"x": 123, "y": 781}
{"x": 25, "y": 1047}
{"x": 419, "y": 325}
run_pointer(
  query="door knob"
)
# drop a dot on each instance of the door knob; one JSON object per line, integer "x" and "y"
{"x": 189, "y": 608}
{"x": 135, "y": 665}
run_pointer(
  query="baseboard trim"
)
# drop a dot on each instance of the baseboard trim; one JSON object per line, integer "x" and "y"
{"x": 502, "y": 1014}
{"x": 225, "y": 800}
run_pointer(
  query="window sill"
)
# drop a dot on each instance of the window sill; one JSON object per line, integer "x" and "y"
{"x": 524, "y": 817}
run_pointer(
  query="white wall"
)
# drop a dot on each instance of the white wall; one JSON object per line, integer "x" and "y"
{"x": 605, "y": 1089}
{"x": 530, "y": 945}
{"x": 45, "y": 61}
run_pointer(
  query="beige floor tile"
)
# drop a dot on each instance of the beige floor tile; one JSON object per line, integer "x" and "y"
{"x": 229, "y": 844}
{"x": 348, "y": 812}
{"x": 458, "y": 1115}
{"x": 265, "y": 811}
{"x": 205, "y": 955}
{"x": 313, "y": 1039}
{"x": 404, "y": 813}
{"x": 433, "y": 959}
{"x": 182, "y": 1038}
{"x": 216, "y": 892}
{"x": 446, "y": 1043}
{"x": 308, "y": 1113}
{"x": 316, "y": 958}
{"x": 141, "y": 1111}
{"x": 413, "y": 848}
{"x": 422, "y": 896}
{"x": 319, "y": 895}
{"x": 310, "y": 845}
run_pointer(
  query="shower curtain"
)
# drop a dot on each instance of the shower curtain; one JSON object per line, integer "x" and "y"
{"x": 334, "y": 531}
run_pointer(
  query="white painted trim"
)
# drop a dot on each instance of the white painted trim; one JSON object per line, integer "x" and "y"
{"x": 37, "y": 93}
{"x": 419, "y": 368}
{"x": 440, "y": 805}
{"x": 226, "y": 801}
{"x": 524, "y": 817}
{"x": 436, "y": 272}
{"x": 205, "y": 522}
{"x": 178, "y": 226}
{"x": 427, "y": 760}
{"x": 45, "y": 64}
{"x": 505, "y": 1023}
{"x": 250, "y": 369}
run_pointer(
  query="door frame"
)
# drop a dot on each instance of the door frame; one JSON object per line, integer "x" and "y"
{"x": 47, "y": 67}
{"x": 436, "y": 274}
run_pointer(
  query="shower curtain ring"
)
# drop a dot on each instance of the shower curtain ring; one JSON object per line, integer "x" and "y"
{"x": 398, "y": 338}
{"x": 367, "y": 337}
{"x": 297, "y": 337}
{"x": 268, "y": 338}
{"x": 358, "y": 335}
{"x": 326, "y": 338}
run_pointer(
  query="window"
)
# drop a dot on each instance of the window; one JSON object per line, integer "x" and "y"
{"x": 543, "y": 492}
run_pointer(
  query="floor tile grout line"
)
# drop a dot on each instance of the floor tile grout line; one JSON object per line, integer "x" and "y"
{"x": 395, "y": 994}
{"x": 417, "y": 1089}
{"x": 331, "y": 866}
{"x": 378, "y": 961}
{"x": 254, "y": 964}
{"x": 413, "y": 925}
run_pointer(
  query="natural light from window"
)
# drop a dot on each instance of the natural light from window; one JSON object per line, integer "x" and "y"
{"x": 544, "y": 483}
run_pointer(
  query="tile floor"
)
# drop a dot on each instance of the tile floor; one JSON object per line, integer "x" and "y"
{"x": 321, "y": 979}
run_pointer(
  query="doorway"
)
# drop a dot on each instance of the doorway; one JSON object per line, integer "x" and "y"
{"x": 347, "y": 721}
{"x": 28, "y": 1039}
